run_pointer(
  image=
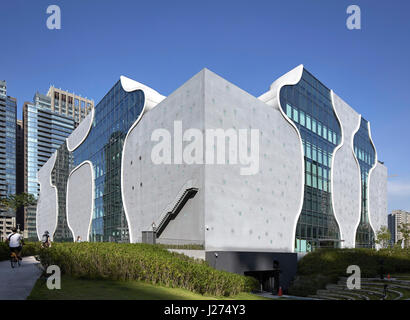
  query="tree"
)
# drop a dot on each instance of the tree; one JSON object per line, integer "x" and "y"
{"x": 383, "y": 237}
{"x": 404, "y": 229}
{"x": 16, "y": 201}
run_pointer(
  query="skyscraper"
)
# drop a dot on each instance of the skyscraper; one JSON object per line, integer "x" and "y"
{"x": 395, "y": 220}
{"x": 20, "y": 170}
{"x": 8, "y": 110}
{"x": 47, "y": 122}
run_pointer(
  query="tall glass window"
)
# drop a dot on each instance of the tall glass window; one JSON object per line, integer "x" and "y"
{"x": 310, "y": 100}
{"x": 365, "y": 154}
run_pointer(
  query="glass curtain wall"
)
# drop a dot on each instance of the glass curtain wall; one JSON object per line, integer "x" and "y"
{"x": 113, "y": 117}
{"x": 308, "y": 104}
{"x": 366, "y": 156}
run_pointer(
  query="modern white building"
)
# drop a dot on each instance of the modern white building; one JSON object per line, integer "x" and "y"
{"x": 245, "y": 177}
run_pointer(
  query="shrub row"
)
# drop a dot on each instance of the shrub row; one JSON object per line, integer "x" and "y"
{"x": 143, "y": 262}
{"x": 323, "y": 266}
{"x": 334, "y": 262}
{"x": 29, "y": 249}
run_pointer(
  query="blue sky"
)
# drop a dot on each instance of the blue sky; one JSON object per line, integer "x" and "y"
{"x": 250, "y": 43}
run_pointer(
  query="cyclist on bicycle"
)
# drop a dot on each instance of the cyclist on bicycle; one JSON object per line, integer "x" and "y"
{"x": 45, "y": 240}
{"x": 16, "y": 242}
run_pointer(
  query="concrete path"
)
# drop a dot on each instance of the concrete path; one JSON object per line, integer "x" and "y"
{"x": 17, "y": 283}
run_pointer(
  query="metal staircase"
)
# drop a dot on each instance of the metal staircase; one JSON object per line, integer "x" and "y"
{"x": 187, "y": 192}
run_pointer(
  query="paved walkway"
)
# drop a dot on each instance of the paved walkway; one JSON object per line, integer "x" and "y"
{"x": 17, "y": 283}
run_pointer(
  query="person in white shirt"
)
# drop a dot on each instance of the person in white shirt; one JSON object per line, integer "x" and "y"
{"x": 16, "y": 242}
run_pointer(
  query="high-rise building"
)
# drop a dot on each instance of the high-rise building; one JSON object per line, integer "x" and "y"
{"x": 20, "y": 170}
{"x": 7, "y": 222}
{"x": 395, "y": 220}
{"x": 47, "y": 122}
{"x": 69, "y": 104}
{"x": 8, "y": 111}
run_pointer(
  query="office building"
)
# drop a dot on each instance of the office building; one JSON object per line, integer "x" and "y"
{"x": 395, "y": 220}
{"x": 251, "y": 179}
{"x": 7, "y": 222}
{"x": 8, "y": 111}
{"x": 20, "y": 171}
{"x": 47, "y": 122}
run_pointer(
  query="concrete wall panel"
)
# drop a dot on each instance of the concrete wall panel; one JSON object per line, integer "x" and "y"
{"x": 80, "y": 200}
{"x": 258, "y": 211}
{"x": 47, "y": 205}
{"x": 378, "y": 197}
{"x": 148, "y": 188}
{"x": 346, "y": 183}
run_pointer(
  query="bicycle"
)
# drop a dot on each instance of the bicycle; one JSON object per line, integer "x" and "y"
{"x": 14, "y": 260}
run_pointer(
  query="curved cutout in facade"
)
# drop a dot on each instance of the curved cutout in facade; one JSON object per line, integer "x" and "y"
{"x": 272, "y": 97}
{"x": 80, "y": 200}
{"x": 151, "y": 99}
{"x": 308, "y": 105}
{"x": 47, "y": 204}
{"x": 367, "y": 157}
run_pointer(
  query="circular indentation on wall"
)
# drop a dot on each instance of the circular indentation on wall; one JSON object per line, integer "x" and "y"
{"x": 232, "y": 231}
{"x": 250, "y": 231}
{"x": 141, "y": 184}
{"x": 132, "y": 187}
{"x": 240, "y": 213}
{"x": 266, "y": 234}
{"x": 131, "y": 162}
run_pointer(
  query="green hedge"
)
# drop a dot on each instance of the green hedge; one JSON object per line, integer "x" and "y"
{"x": 143, "y": 262}
{"x": 29, "y": 249}
{"x": 334, "y": 262}
{"x": 323, "y": 266}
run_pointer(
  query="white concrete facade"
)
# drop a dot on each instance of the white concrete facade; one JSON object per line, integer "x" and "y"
{"x": 228, "y": 211}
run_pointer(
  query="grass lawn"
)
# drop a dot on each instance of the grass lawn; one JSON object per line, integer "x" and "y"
{"x": 82, "y": 289}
